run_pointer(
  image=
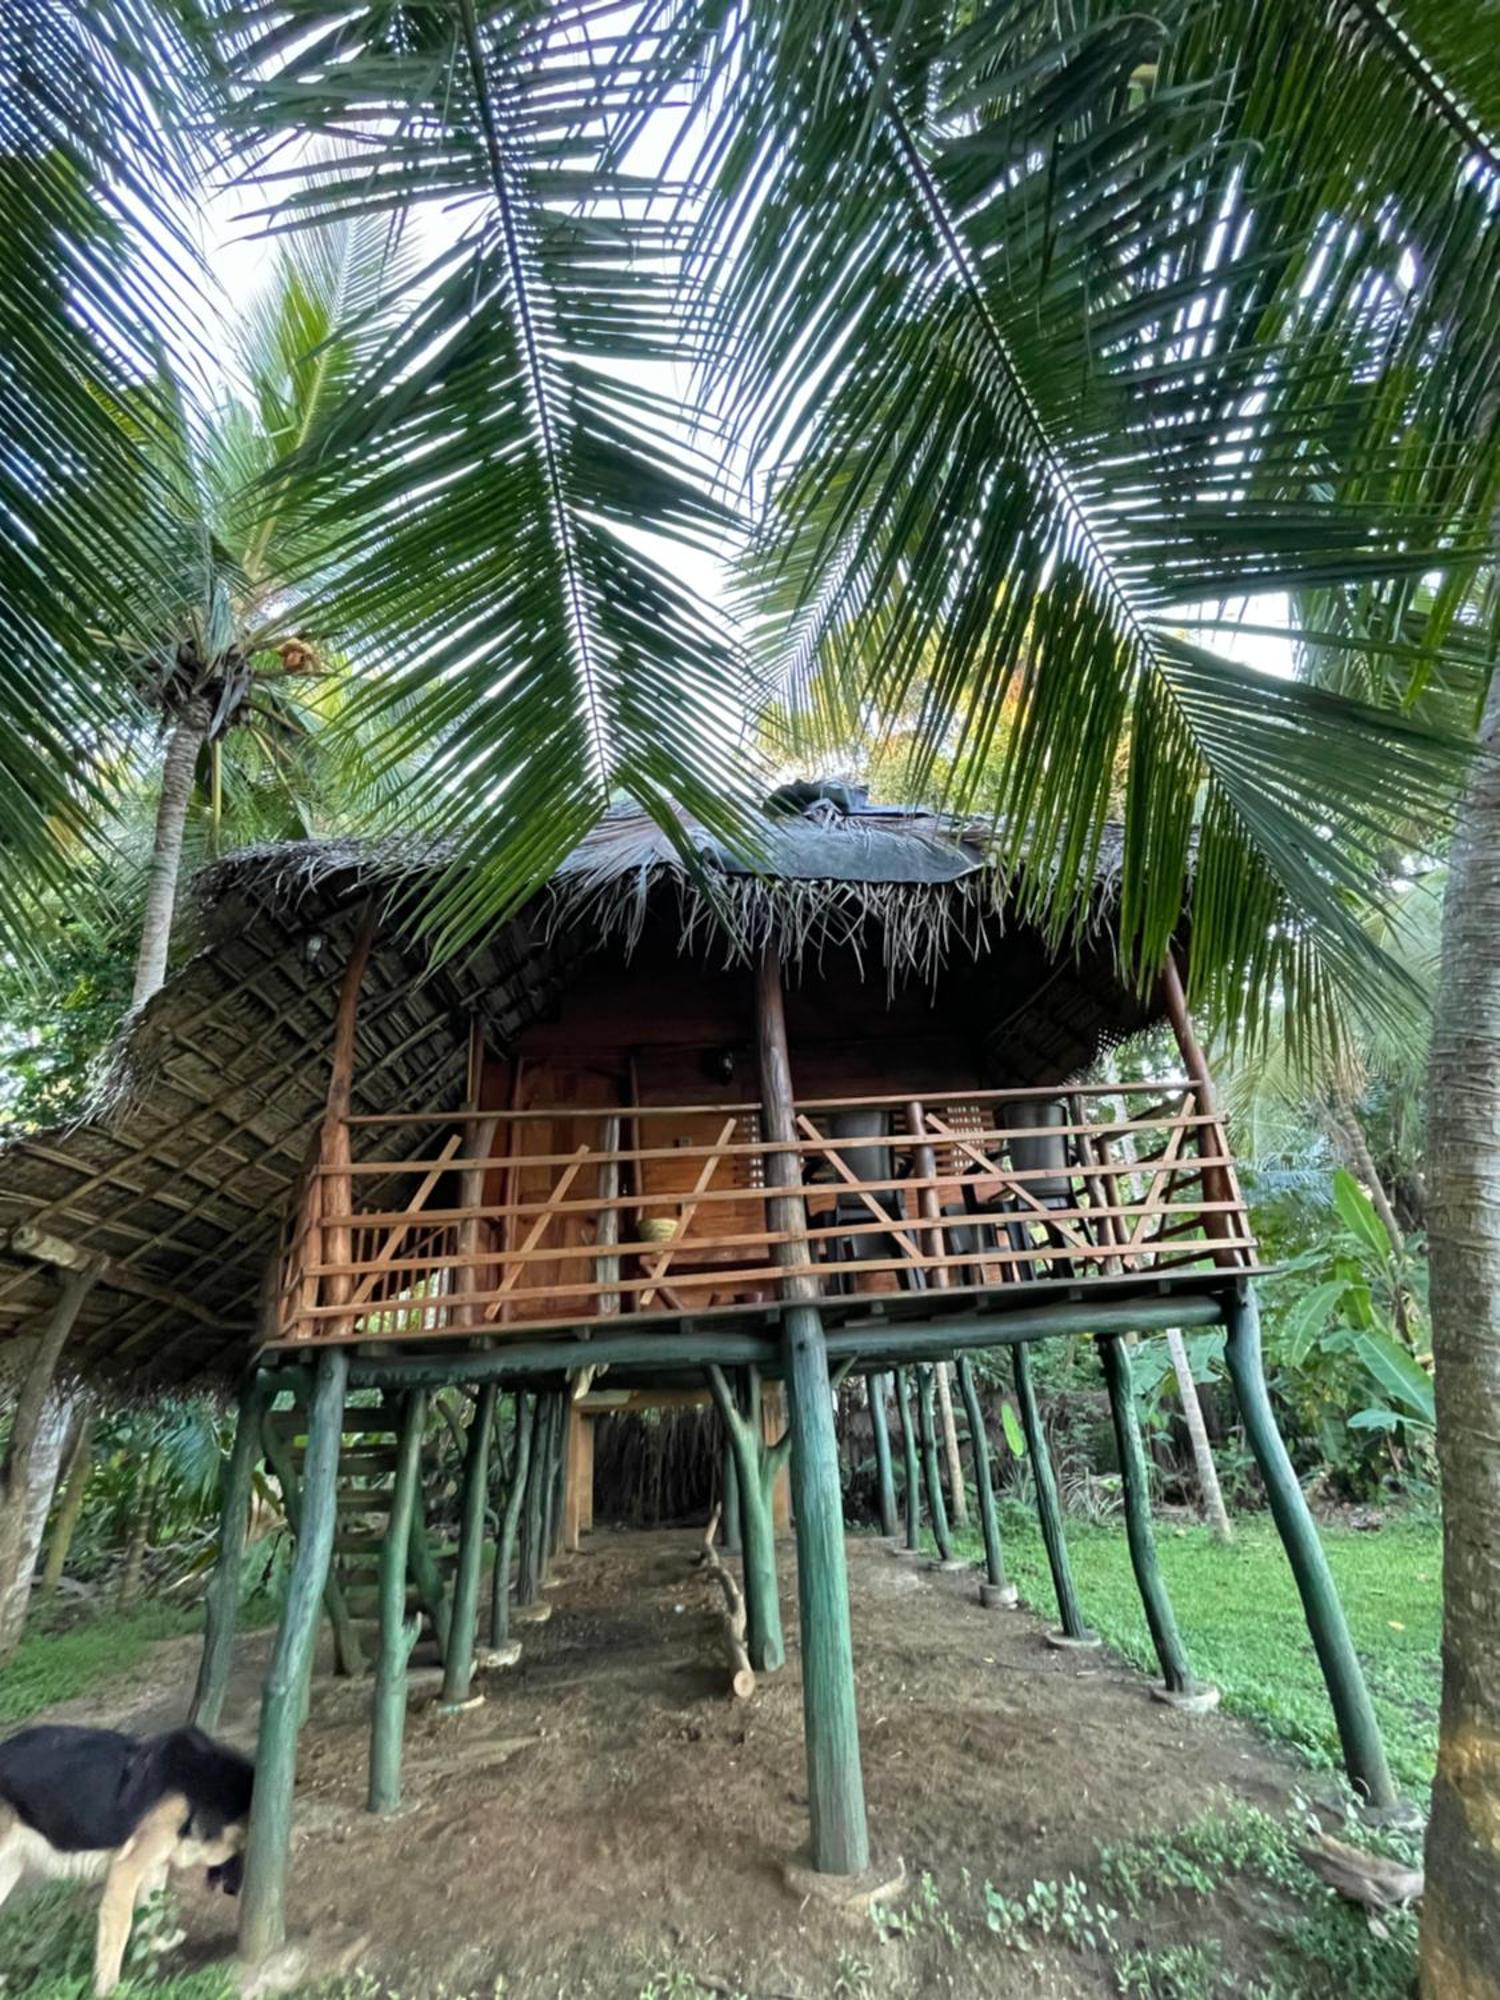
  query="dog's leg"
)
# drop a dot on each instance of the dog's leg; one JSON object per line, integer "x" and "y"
{"x": 11, "y": 1863}
{"x": 144, "y": 1857}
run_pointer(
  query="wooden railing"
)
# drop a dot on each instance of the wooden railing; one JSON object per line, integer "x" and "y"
{"x": 528, "y": 1220}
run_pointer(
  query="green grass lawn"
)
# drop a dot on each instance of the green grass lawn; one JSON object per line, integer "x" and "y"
{"x": 59, "y": 1663}
{"x": 1242, "y": 1621}
{"x": 59, "y": 1666}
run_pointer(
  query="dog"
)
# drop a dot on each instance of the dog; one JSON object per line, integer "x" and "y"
{"x": 91, "y": 1805}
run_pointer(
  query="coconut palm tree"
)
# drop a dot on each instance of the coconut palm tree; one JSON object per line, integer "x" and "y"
{"x": 229, "y": 653}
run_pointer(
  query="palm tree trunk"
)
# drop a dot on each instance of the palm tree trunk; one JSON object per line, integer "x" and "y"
{"x": 1461, "y": 1912}
{"x": 140, "y": 1533}
{"x": 956, "y": 1490}
{"x": 26, "y": 1481}
{"x": 178, "y": 766}
{"x": 32, "y": 1506}
{"x": 1204, "y": 1470}
{"x": 1349, "y": 1136}
{"x": 75, "y": 1485}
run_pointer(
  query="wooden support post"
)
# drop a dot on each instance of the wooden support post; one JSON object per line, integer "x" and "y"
{"x": 830, "y": 1719}
{"x": 529, "y": 1564}
{"x": 929, "y": 1200}
{"x": 912, "y": 1498}
{"x": 586, "y": 1475}
{"x": 558, "y": 1494}
{"x": 759, "y": 1466}
{"x": 545, "y": 1488}
{"x": 1136, "y": 1492}
{"x": 875, "y": 1388}
{"x": 428, "y": 1577}
{"x": 995, "y": 1589}
{"x": 222, "y": 1598}
{"x": 931, "y": 1472}
{"x": 458, "y": 1666}
{"x": 398, "y": 1634}
{"x": 579, "y": 1477}
{"x": 348, "y": 1654}
{"x": 1359, "y": 1732}
{"x": 1049, "y": 1510}
{"x": 830, "y": 1716}
{"x": 1218, "y": 1181}
{"x": 731, "y": 1499}
{"x": 74, "y": 1479}
{"x": 773, "y": 1427}
{"x": 552, "y": 1453}
{"x": 263, "y": 1903}
{"x": 948, "y": 1432}
{"x": 510, "y": 1520}
{"x": 336, "y": 1191}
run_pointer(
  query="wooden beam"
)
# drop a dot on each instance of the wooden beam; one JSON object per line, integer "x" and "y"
{"x": 25, "y": 1240}
{"x": 677, "y": 1349}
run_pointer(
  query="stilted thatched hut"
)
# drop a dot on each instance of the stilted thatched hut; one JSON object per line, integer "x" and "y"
{"x": 753, "y": 1122}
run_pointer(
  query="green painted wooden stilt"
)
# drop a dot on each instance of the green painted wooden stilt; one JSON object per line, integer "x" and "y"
{"x": 398, "y": 1634}
{"x": 222, "y": 1599}
{"x": 349, "y": 1655}
{"x": 548, "y": 1520}
{"x": 830, "y": 1718}
{"x": 876, "y": 1386}
{"x": 835, "y": 1781}
{"x": 263, "y": 1902}
{"x": 1136, "y": 1493}
{"x": 984, "y": 1487}
{"x": 731, "y": 1500}
{"x": 1359, "y": 1732}
{"x": 510, "y": 1519}
{"x": 937, "y": 1507}
{"x": 458, "y": 1667}
{"x": 1049, "y": 1510}
{"x": 911, "y": 1498}
{"x": 759, "y": 1466}
{"x": 529, "y": 1562}
{"x": 545, "y": 1490}
{"x": 428, "y": 1577}
{"x": 557, "y": 1473}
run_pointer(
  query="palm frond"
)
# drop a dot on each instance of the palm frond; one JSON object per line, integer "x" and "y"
{"x": 94, "y": 105}
{"x": 1059, "y": 337}
{"x": 502, "y": 489}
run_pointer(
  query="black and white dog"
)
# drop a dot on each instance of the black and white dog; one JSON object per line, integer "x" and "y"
{"x": 90, "y": 1805}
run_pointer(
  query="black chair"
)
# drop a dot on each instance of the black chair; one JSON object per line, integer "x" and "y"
{"x": 1044, "y": 1157}
{"x": 872, "y": 1164}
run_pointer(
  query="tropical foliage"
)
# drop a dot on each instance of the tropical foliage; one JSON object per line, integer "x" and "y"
{"x": 1046, "y": 342}
{"x": 1004, "y": 352}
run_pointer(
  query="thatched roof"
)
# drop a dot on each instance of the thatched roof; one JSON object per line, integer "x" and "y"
{"x": 181, "y": 1169}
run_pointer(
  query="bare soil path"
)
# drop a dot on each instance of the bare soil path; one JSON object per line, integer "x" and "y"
{"x": 608, "y": 1822}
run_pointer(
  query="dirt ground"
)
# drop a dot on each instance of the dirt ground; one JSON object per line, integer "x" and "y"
{"x": 608, "y": 1822}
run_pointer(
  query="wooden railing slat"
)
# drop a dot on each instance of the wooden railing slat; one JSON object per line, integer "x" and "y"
{"x": 411, "y": 1271}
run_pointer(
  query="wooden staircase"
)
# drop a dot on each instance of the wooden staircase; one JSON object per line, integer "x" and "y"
{"x": 367, "y": 1470}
